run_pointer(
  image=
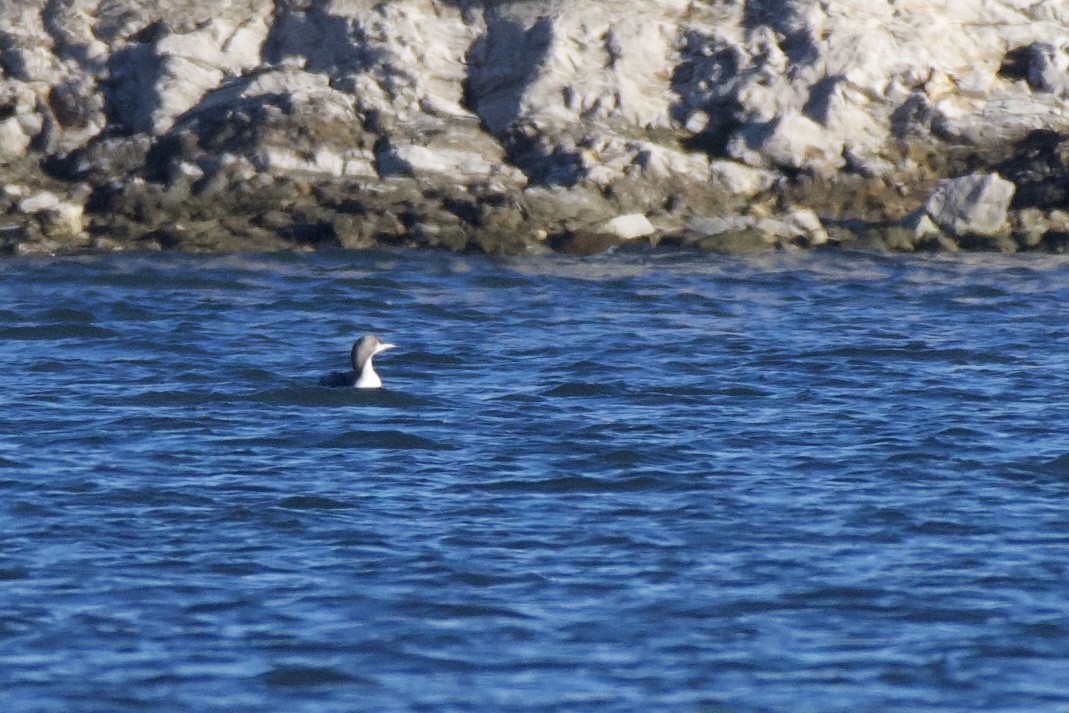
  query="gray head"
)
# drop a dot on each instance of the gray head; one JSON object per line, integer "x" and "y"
{"x": 366, "y": 347}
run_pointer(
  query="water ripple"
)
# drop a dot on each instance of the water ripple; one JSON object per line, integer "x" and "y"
{"x": 653, "y": 480}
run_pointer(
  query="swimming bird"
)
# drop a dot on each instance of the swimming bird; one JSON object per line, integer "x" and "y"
{"x": 363, "y": 375}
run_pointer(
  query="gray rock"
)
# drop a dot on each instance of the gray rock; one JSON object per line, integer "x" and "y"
{"x": 971, "y": 205}
{"x": 155, "y": 83}
{"x": 1048, "y": 68}
{"x": 790, "y": 141}
{"x": 704, "y": 226}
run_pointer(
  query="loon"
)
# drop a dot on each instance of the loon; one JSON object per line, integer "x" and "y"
{"x": 363, "y": 375}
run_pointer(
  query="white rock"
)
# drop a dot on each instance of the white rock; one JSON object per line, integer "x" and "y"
{"x": 799, "y": 222}
{"x": 41, "y": 200}
{"x": 863, "y": 60}
{"x": 740, "y": 179}
{"x": 401, "y": 59}
{"x": 660, "y": 162}
{"x": 629, "y": 226}
{"x": 13, "y": 139}
{"x": 181, "y": 86}
{"x": 350, "y": 162}
{"x": 64, "y": 216}
{"x": 423, "y": 161}
{"x": 707, "y": 226}
{"x": 976, "y": 204}
{"x": 776, "y": 228}
{"x": 219, "y": 44}
{"x": 285, "y": 80}
{"x": 920, "y": 225}
{"x": 697, "y": 122}
{"x": 159, "y": 83}
{"x": 607, "y": 62}
{"x": 791, "y": 141}
{"x": 464, "y": 158}
{"x": 30, "y": 65}
{"x": 67, "y": 218}
{"x": 358, "y": 163}
{"x": 809, "y": 223}
{"x": 190, "y": 170}
{"x": 606, "y": 159}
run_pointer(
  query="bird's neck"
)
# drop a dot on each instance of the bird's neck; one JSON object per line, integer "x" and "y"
{"x": 368, "y": 379}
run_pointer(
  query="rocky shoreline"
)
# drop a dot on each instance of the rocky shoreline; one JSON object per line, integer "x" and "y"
{"x": 533, "y": 126}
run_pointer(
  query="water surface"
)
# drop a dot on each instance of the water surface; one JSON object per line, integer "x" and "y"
{"x": 653, "y": 481}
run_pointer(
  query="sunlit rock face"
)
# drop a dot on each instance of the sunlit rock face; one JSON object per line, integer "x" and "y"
{"x": 471, "y": 115}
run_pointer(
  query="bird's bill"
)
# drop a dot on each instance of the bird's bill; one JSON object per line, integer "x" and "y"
{"x": 383, "y": 346}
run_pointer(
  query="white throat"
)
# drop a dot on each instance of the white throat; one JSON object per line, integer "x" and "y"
{"x": 368, "y": 378}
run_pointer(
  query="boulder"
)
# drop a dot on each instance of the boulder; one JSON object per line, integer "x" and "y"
{"x": 808, "y": 223}
{"x": 1048, "y": 67}
{"x": 629, "y": 226}
{"x": 791, "y": 141}
{"x": 59, "y": 218}
{"x": 14, "y": 140}
{"x": 976, "y": 204}
{"x": 154, "y": 84}
{"x": 740, "y": 179}
{"x": 461, "y": 157}
{"x": 798, "y": 224}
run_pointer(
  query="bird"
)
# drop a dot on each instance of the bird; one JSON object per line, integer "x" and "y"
{"x": 363, "y": 375}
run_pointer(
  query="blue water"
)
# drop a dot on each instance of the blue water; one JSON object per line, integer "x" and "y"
{"x": 672, "y": 482}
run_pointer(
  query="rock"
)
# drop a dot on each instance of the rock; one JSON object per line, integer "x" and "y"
{"x": 77, "y": 107}
{"x": 790, "y": 141}
{"x": 561, "y": 210}
{"x": 743, "y": 242}
{"x": 1039, "y": 168}
{"x": 560, "y": 69}
{"x": 59, "y": 221}
{"x": 1048, "y": 67}
{"x": 442, "y": 232}
{"x": 806, "y": 222}
{"x": 12, "y": 235}
{"x": 535, "y": 119}
{"x": 38, "y": 202}
{"x": 13, "y": 138}
{"x": 800, "y": 225}
{"x": 740, "y": 179}
{"x": 971, "y": 205}
{"x": 629, "y": 227}
{"x": 605, "y": 161}
{"x": 155, "y": 83}
{"x": 729, "y": 235}
{"x": 920, "y": 227}
{"x": 65, "y": 220}
{"x": 704, "y": 226}
{"x": 282, "y": 160}
{"x": 584, "y": 242}
{"x": 28, "y": 64}
{"x": 1030, "y": 225}
{"x": 446, "y": 157}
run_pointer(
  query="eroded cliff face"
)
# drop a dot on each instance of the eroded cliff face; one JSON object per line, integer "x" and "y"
{"x": 533, "y": 124}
